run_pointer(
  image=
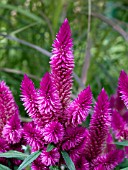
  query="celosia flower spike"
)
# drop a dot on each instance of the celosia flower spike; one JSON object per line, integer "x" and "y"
{"x": 48, "y": 100}
{"x": 123, "y": 87}
{"x": 33, "y": 136}
{"x": 8, "y": 106}
{"x": 62, "y": 63}
{"x": 99, "y": 127}
{"x": 108, "y": 161}
{"x": 79, "y": 108}
{"x": 50, "y": 158}
{"x": 53, "y": 132}
{"x": 73, "y": 137}
{"x": 29, "y": 97}
{"x": 12, "y": 131}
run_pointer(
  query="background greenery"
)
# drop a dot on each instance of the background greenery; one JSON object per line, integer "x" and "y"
{"x": 37, "y": 22}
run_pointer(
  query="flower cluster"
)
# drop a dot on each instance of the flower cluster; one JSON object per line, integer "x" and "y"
{"x": 11, "y": 131}
{"x": 57, "y": 120}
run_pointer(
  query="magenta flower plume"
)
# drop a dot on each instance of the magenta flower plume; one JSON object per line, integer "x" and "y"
{"x": 108, "y": 161}
{"x": 53, "y": 132}
{"x": 48, "y": 100}
{"x": 33, "y": 136}
{"x": 62, "y": 63}
{"x": 29, "y": 97}
{"x": 12, "y": 131}
{"x": 73, "y": 137}
{"x": 119, "y": 126}
{"x": 8, "y": 106}
{"x": 79, "y": 108}
{"x": 50, "y": 158}
{"x": 99, "y": 127}
{"x": 123, "y": 87}
{"x": 77, "y": 151}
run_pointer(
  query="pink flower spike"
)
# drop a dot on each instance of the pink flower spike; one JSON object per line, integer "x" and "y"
{"x": 99, "y": 127}
{"x": 8, "y": 106}
{"x": 12, "y": 131}
{"x": 78, "y": 110}
{"x": 73, "y": 137}
{"x": 62, "y": 63}
{"x": 123, "y": 87}
{"x": 29, "y": 97}
{"x": 50, "y": 158}
{"x": 33, "y": 135}
{"x": 109, "y": 161}
{"x": 53, "y": 132}
{"x": 48, "y": 100}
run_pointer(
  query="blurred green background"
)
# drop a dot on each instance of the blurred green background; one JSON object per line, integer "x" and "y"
{"x": 100, "y": 40}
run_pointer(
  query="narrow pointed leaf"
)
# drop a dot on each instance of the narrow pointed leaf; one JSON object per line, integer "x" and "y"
{"x": 68, "y": 160}
{"x": 13, "y": 154}
{"x": 3, "y": 167}
{"x": 29, "y": 160}
{"x": 50, "y": 147}
{"x": 124, "y": 143}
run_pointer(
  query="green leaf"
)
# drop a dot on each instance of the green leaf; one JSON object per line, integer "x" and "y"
{"x": 50, "y": 147}
{"x": 3, "y": 167}
{"x": 13, "y": 154}
{"x": 22, "y": 11}
{"x": 68, "y": 160}
{"x": 124, "y": 168}
{"x": 29, "y": 160}
{"x": 124, "y": 143}
{"x": 124, "y": 164}
{"x": 54, "y": 168}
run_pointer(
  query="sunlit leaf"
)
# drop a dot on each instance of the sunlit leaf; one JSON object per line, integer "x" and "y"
{"x": 13, "y": 154}
{"x": 68, "y": 160}
{"x": 29, "y": 160}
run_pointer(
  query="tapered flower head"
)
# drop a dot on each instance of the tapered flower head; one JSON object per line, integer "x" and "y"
{"x": 78, "y": 110}
{"x": 73, "y": 137}
{"x": 48, "y": 100}
{"x": 53, "y": 132}
{"x": 29, "y": 97}
{"x": 12, "y": 131}
{"x": 50, "y": 158}
{"x": 8, "y": 106}
{"x": 33, "y": 136}
{"x": 99, "y": 127}
{"x": 62, "y": 63}
{"x": 108, "y": 161}
{"x": 123, "y": 87}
